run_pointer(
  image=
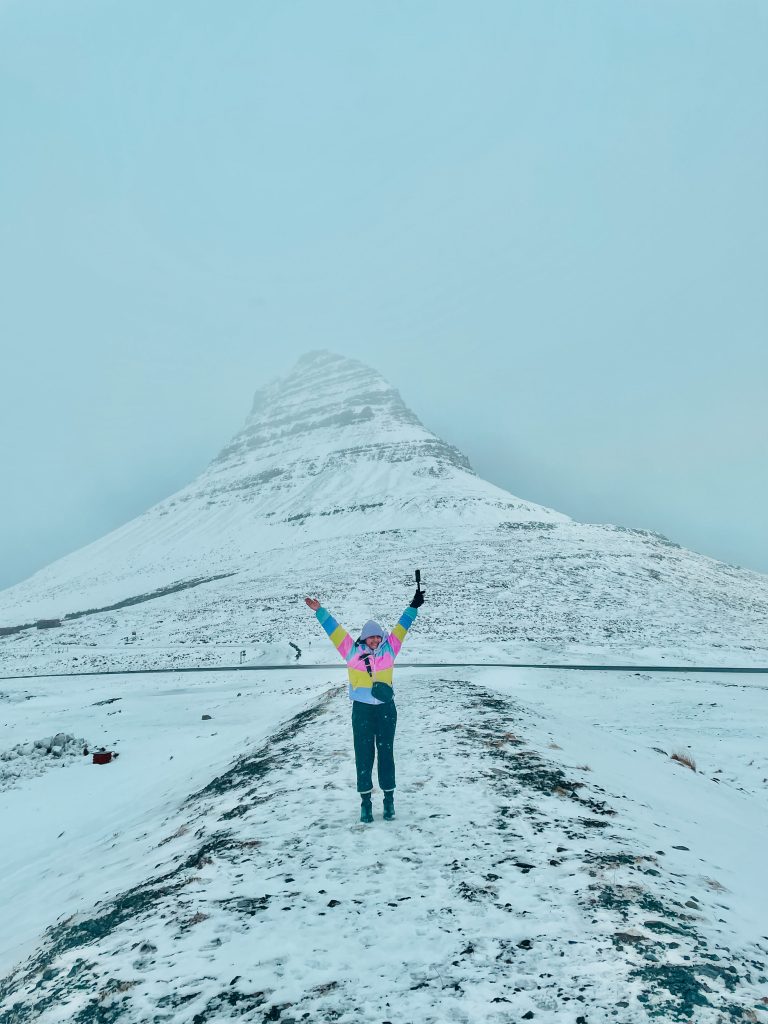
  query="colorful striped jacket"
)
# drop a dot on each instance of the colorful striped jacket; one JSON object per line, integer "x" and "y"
{"x": 382, "y": 660}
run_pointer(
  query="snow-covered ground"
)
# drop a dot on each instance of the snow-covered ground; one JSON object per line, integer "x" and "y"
{"x": 79, "y": 831}
{"x": 549, "y": 860}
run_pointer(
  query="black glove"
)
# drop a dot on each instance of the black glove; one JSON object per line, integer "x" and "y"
{"x": 418, "y": 599}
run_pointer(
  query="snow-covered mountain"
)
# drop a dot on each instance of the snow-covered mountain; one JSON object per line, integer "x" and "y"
{"x": 334, "y": 487}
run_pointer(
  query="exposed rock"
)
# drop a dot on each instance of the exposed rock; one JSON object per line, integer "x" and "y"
{"x": 35, "y": 756}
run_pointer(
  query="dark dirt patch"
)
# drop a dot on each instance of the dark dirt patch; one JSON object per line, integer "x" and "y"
{"x": 172, "y": 588}
{"x": 235, "y": 1003}
{"x": 623, "y": 898}
{"x": 253, "y": 767}
{"x": 175, "y": 999}
{"x": 668, "y": 927}
{"x": 615, "y": 860}
{"x": 249, "y": 905}
{"x": 682, "y": 990}
{"x": 527, "y": 768}
{"x": 472, "y": 892}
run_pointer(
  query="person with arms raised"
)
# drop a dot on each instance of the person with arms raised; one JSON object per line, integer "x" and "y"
{"x": 370, "y": 662}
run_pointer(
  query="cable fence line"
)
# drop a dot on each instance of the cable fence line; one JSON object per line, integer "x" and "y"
{"x": 292, "y": 667}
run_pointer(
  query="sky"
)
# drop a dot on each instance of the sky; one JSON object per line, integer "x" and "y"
{"x": 545, "y": 221}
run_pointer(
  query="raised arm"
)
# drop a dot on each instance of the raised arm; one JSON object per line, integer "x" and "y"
{"x": 340, "y": 638}
{"x": 407, "y": 619}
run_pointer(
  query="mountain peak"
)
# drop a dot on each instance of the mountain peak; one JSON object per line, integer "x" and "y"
{"x": 334, "y": 435}
{"x": 321, "y": 382}
{"x": 328, "y": 452}
{"x": 320, "y": 357}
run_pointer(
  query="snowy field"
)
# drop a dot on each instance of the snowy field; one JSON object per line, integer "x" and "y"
{"x": 549, "y": 860}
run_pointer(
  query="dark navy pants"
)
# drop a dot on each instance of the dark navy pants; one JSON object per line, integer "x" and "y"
{"x": 373, "y": 730}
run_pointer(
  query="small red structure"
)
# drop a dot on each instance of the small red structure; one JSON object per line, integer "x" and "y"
{"x": 102, "y": 757}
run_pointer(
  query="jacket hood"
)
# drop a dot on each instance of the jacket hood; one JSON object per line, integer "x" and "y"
{"x": 371, "y": 628}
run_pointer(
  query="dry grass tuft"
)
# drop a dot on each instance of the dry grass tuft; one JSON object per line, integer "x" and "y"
{"x": 115, "y": 988}
{"x": 685, "y": 759}
{"x": 500, "y": 741}
{"x": 180, "y": 831}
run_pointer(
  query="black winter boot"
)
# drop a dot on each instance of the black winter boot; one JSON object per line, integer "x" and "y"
{"x": 366, "y": 808}
{"x": 389, "y": 806}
